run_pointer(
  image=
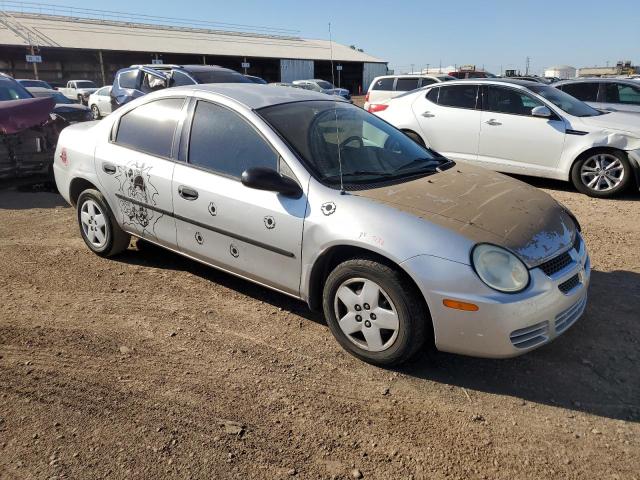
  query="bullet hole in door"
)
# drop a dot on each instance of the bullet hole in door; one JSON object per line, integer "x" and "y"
{"x": 328, "y": 208}
{"x": 212, "y": 209}
{"x": 199, "y": 238}
{"x": 233, "y": 250}
{"x": 269, "y": 222}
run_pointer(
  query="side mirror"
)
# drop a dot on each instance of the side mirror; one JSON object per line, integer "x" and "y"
{"x": 542, "y": 112}
{"x": 268, "y": 179}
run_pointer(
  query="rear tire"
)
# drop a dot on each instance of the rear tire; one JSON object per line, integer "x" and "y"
{"x": 375, "y": 312}
{"x": 602, "y": 173}
{"x": 95, "y": 112}
{"x": 98, "y": 227}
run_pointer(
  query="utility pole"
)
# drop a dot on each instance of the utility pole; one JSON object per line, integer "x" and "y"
{"x": 412, "y": 68}
{"x": 440, "y": 67}
{"x": 35, "y": 65}
{"x": 428, "y": 68}
{"x": 526, "y": 72}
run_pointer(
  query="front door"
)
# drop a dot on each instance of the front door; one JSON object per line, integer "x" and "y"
{"x": 512, "y": 140}
{"x": 135, "y": 170}
{"x": 450, "y": 121}
{"x": 253, "y": 233}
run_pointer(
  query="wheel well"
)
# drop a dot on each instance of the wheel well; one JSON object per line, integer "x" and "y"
{"x": 79, "y": 185}
{"x": 338, "y": 254}
{"x": 412, "y": 132}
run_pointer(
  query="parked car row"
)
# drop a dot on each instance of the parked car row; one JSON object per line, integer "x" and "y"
{"x": 314, "y": 197}
{"x": 524, "y": 127}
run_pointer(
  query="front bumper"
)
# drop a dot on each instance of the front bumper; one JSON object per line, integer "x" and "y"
{"x": 505, "y": 325}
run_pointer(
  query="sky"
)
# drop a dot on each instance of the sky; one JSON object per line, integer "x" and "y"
{"x": 495, "y": 34}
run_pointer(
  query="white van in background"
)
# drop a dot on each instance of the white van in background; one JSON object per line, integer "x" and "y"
{"x": 386, "y": 87}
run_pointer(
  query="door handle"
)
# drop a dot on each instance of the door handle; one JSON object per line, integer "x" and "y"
{"x": 428, "y": 114}
{"x": 109, "y": 168}
{"x": 187, "y": 193}
{"x": 493, "y": 122}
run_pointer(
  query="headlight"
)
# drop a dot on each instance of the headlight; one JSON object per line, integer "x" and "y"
{"x": 499, "y": 268}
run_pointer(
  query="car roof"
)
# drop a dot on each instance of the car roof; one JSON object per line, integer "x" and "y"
{"x": 186, "y": 68}
{"x": 597, "y": 80}
{"x": 40, "y": 90}
{"x": 254, "y": 95}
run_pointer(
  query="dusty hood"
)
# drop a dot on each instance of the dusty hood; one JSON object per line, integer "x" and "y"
{"x": 485, "y": 207}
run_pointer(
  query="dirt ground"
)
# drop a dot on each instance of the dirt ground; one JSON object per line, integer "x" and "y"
{"x": 152, "y": 366}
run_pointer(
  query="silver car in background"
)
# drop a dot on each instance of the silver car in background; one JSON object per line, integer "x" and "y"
{"x": 320, "y": 200}
{"x": 612, "y": 94}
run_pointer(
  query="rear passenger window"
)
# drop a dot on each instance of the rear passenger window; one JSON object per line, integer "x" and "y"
{"x": 459, "y": 96}
{"x": 383, "y": 84}
{"x": 407, "y": 84}
{"x": 128, "y": 79}
{"x": 224, "y": 142}
{"x": 621, "y": 93}
{"x": 150, "y": 127}
{"x": 587, "y": 92}
{"x": 427, "y": 81}
{"x": 432, "y": 95}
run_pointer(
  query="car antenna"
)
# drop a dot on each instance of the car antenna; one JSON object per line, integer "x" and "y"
{"x": 335, "y": 112}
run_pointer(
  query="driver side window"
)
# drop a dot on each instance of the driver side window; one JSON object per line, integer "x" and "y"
{"x": 225, "y": 143}
{"x": 510, "y": 101}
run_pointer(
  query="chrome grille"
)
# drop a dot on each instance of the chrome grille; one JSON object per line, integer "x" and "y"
{"x": 567, "y": 286}
{"x": 530, "y": 336}
{"x": 565, "y": 319}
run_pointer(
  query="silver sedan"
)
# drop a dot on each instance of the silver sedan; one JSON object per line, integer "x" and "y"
{"x": 318, "y": 199}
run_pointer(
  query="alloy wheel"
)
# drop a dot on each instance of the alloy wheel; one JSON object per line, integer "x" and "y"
{"x": 602, "y": 172}
{"x": 95, "y": 113}
{"x": 366, "y": 314}
{"x": 93, "y": 223}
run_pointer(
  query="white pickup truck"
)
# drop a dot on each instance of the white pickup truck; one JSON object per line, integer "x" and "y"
{"x": 79, "y": 90}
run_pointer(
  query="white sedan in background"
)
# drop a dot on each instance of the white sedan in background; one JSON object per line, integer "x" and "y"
{"x": 100, "y": 102}
{"x": 524, "y": 128}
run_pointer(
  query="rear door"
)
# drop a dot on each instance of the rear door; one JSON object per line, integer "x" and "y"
{"x": 450, "y": 120}
{"x": 381, "y": 90}
{"x": 253, "y": 233}
{"x": 511, "y": 139}
{"x": 135, "y": 169}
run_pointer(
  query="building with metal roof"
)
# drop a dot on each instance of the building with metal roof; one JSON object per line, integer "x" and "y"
{"x": 82, "y": 44}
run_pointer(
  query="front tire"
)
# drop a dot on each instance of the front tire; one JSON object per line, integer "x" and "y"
{"x": 95, "y": 112}
{"x": 98, "y": 227}
{"x": 601, "y": 173}
{"x": 375, "y": 312}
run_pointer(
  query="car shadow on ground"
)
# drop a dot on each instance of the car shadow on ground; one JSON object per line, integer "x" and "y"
{"x": 592, "y": 368}
{"x": 40, "y": 195}
{"x": 630, "y": 193}
{"x": 147, "y": 254}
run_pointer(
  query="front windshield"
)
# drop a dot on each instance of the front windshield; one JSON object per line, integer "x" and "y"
{"x": 85, "y": 84}
{"x": 325, "y": 85}
{"x": 370, "y": 149}
{"x": 564, "y": 101}
{"x": 13, "y": 91}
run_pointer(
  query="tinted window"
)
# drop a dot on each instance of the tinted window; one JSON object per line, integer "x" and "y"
{"x": 179, "y": 78}
{"x": 12, "y": 91}
{"x": 224, "y": 142}
{"x": 383, "y": 84}
{"x": 587, "y": 92}
{"x": 406, "y": 84}
{"x": 564, "y": 101}
{"x": 85, "y": 84}
{"x": 150, "y": 127}
{"x": 128, "y": 79}
{"x": 507, "y": 100}
{"x": 622, "y": 93}
{"x": 460, "y": 96}
{"x": 427, "y": 81}
{"x": 432, "y": 95}
{"x": 219, "y": 76}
